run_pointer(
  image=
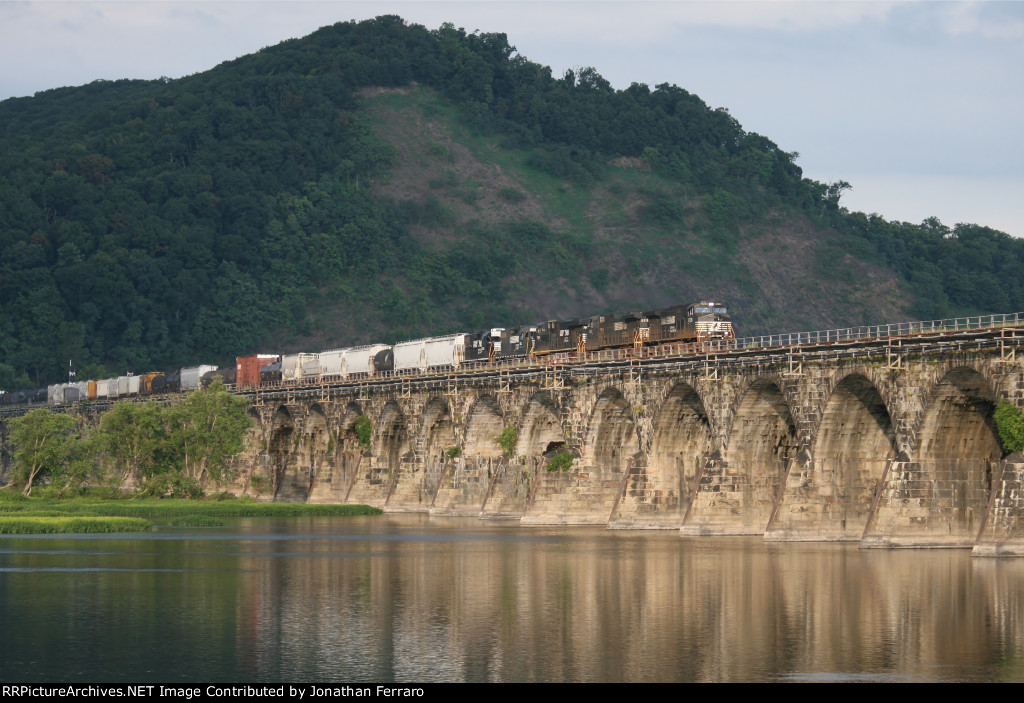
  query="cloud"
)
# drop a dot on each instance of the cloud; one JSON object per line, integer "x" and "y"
{"x": 992, "y": 20}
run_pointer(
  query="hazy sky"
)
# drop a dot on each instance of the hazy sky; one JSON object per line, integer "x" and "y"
{"x": 917, "y": 104}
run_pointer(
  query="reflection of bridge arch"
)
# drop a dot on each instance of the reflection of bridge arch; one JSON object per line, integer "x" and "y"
{"x": 484, "y": 425}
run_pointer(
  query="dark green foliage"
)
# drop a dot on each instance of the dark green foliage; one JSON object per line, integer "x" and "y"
{"x": 1010, "y": 422}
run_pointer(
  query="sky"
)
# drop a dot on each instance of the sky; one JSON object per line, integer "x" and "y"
{"x": 918, "y": 105}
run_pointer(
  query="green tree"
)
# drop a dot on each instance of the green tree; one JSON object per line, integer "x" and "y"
{"x": 204, "y": 430}
{"x": 44, "y": 444}
{"x": 130, "y": 435}
{"x": 82, "y": 465}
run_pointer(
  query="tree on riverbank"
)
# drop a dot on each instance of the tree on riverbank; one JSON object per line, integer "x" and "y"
{"x": 45, "y": 444}
{"x": 130, "y": 435}
{"x": 159, "y": 450}
{"x": 204, "y": 431}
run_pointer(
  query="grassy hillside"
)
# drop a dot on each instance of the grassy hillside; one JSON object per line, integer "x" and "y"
{"x": 377, "y": 181}
{"x": 631, "y": 240}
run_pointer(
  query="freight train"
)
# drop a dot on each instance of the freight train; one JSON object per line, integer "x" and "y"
{"x": 681, "y": 323}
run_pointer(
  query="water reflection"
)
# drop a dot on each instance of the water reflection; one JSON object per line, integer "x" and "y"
{"x": 413, "y": 598}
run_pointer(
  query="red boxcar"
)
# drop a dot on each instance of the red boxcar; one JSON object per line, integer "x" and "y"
{"x": 247, "y": 369}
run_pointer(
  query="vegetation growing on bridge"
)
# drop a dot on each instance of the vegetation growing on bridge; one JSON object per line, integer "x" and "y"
{"x": 364, "y": 430}
{"x": 507, "y": 440}
{"x": 561, "y": 462}
{"x": 1010, "y": 423}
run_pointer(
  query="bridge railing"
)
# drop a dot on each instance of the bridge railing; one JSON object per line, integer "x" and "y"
{"x": 838, "y": 335}
{"x": 895, "y": 329}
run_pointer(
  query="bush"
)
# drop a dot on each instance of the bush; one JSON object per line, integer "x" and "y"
{"x": 561, "y": 462}
{"x": 507, "y": 440}
{"x": 364, "y": 430}
{"x": 1010, "y": 423}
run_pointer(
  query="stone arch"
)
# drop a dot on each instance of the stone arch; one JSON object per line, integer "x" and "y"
{"x": 958, "y": 448}
{"x": 611, "y": 440}
{"x": 346, "y": 439}
{"x": 316, "y": 436}
{"x": 437, "y": 432}
{"x": 737, "y": 495}
{"x": 392, "y": 436}
{"x": 830, "y": 496}
{"x": 681, "y": 439}
{"x": 965, "y": 397}
{"x": 540, "y": 432}
{"x": 484, "y": 425}
{"x": 310, "y": 440}
{"x": 281, "y": 444}
{"x": 347, "y": 453}
{"x": 762, "y": 410}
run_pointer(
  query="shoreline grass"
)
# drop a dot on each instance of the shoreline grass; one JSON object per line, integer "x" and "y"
{"x": 152, "y": 508}
{"x": 21, "y": 515}
{"x": 70, "y": 524}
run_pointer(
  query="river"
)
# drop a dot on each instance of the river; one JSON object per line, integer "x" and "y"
{"x": 411, "y": 598}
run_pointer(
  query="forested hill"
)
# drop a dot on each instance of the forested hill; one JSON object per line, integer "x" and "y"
{"x": 376, "y": 181}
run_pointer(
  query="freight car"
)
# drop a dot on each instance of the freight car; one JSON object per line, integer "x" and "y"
{"x": 682, "y": 323}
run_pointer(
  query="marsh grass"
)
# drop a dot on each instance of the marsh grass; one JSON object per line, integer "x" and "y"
{"x": 167, "y": 508}
{"x": 48, "y": 525}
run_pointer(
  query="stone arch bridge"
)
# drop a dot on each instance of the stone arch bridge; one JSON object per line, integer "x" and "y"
{"x": 888, "y": 442}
